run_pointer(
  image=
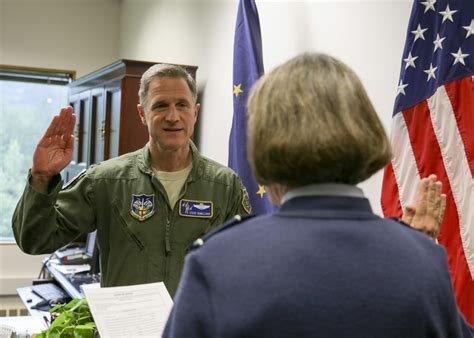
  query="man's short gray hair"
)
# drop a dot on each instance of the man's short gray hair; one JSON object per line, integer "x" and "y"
{"x": 164, "y": 70}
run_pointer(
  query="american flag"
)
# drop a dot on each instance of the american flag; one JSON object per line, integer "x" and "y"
{"x": 248, "y": 67}
{"x": 433, "y": 129}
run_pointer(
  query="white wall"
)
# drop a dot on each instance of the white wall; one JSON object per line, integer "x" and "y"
{"x": 16, "y": 268}
{"x": 80, "y": 35}
{"x": 367, "y": 35}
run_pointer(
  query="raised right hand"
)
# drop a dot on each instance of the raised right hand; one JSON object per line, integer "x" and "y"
{"x": 427, "y": 213}
{"x": 55, "y": 149}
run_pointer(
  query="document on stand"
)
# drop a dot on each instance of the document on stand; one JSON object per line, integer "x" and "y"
{"x": 70, "y": 269}
{"x": 129, "y": 311}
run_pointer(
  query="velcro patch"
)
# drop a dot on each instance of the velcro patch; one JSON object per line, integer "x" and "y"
{"x": 193, "y": 208}
{"x": 143, "y": 206}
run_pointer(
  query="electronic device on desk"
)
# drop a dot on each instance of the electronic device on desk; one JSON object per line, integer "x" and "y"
{"x": 51, "y": 295}
{"x": 79, "y": 279}
{"x": 71, "y": 282}
{"x": 76, "y": 256}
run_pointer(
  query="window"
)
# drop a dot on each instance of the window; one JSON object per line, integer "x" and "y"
{"x": 29, "y": 98}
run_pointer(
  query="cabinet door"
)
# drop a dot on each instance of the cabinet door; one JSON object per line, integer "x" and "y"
{"x": 133, "y": 134}
{"x": 97, "y": 130}
{"x": 79, "y": 103}
{"x": 83, "y": 118}
{"x": 112, "y": 119}
{"x": 74, "y": 103}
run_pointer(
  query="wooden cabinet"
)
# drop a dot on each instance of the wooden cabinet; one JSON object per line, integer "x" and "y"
{"x": 107, "y": 122}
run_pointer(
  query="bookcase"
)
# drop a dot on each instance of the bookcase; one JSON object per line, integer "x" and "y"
{"x": 107, "y": 122}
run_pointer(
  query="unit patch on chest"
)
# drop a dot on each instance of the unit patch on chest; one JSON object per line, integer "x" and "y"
{"x": 193, "y": 208}
{"x": 143, "y": 206}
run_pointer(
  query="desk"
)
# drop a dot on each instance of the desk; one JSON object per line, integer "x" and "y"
{"x": 68, "y": 284}
{"x": 24, "y": 326}
{"x": 29, "y": 299}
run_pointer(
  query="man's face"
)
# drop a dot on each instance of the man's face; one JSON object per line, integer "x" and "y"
{"x": 169, "y": 113}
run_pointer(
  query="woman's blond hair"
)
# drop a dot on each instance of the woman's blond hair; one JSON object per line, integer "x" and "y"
{"x": 311, "y": 121}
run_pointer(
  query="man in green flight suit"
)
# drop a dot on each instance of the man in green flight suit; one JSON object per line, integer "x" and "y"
{"x": 148, "y": 206}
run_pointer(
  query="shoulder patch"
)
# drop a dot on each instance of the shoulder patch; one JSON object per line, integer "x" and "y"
{"x": 71, "y": 182}
{"x": 237, "y": 219}
{"x": 246, "y": 201}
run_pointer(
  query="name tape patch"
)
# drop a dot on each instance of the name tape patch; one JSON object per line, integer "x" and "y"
{"x": 193, "y": 208}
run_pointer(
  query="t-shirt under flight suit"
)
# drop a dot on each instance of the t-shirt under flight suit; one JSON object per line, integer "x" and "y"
{"x": 141, "y": 239}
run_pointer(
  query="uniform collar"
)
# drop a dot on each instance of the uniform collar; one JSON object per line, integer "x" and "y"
{"x": 327, "y": 198}
{"x": 326, "y": 189}
{"x": 144, "y": 162}
{"x": 341, "y": 206}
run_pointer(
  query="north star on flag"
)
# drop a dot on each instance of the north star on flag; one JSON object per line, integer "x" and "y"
{"x": 248, "y": 67}
{"x": 433, "y": 129}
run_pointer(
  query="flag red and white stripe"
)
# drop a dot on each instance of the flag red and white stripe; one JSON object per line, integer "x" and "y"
{"x": 432, "y": 129}
{"x": 437, "y": 136}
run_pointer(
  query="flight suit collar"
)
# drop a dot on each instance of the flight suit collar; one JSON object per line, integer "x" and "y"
{"x": 198, "y": 163}
{"x": 144, "y": 162}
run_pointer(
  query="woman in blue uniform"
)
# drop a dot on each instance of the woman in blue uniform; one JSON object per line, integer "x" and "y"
{"x": 323, "y": 265}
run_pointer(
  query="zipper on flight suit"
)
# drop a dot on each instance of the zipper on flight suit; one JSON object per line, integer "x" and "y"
{"x": 167, "y": 236}
{"x": 172, "y": 215}
{"x": 162, "y": 191}
{"x": 169, "y": 219}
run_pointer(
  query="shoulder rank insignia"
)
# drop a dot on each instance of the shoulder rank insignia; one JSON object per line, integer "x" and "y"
{"x": 227, "y": 225}
{"x": 143, "y": 206}
{"x": 193, "y": 208}
{"x": 246, "y": 201}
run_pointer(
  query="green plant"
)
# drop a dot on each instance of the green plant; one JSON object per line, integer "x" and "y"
{"x": 73, "y": 319}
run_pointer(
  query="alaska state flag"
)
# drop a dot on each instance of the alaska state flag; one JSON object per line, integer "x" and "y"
{"x": 248, "y": 67}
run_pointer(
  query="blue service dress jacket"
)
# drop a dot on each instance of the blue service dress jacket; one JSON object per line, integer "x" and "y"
{"x": 321, "y": 266}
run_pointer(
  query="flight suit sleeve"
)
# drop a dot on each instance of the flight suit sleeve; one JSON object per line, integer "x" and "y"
{"x": 192, "y": 315}
{"x": 42, "y": 223}
{"x": 240, "y": 201}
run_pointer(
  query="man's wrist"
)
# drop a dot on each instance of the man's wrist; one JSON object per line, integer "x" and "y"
{"x": 40, "y": 182}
